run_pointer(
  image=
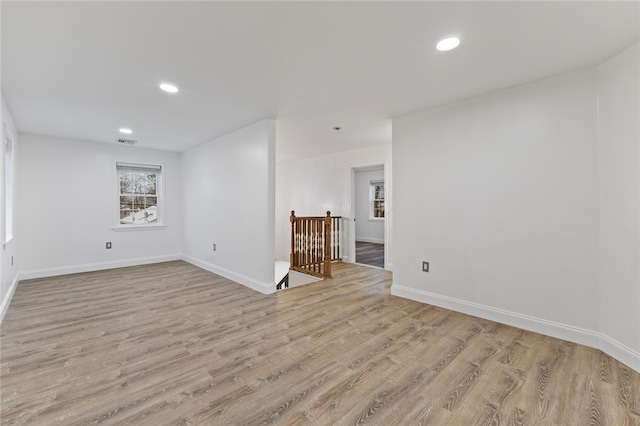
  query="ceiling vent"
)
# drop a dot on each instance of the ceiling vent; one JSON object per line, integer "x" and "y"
{"x": 126, "y": 141}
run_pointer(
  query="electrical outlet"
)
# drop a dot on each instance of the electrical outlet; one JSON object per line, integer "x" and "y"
{"x": 109, "y": 245}
{"x": 425, "y": 266}
{"x": 214, "y": 247}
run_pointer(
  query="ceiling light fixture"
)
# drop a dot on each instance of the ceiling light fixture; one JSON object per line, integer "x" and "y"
{"x": 168, "y": 87}
{"x": 448, "y": 44}
{"x": 126, "y": 131}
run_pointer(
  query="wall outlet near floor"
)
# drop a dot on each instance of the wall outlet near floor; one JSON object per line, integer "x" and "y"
{"x": 109, "y": 245}
{"x": 214, "y": 247}
{"x": 425, "y": 266}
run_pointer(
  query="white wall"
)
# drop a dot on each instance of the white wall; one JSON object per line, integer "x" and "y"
{"x": 619, "y": 144}
{"x": 67, "y": 205}
{"x": 311, "y": 186}
{"x": 9, "y": 259}
{"x": 527, "y": 204}
{"x": 229, "y": 201}
{"x": 500, "y": 194}
{"x": 368, "y": 230}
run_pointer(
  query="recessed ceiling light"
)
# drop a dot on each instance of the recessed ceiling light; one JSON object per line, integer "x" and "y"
{"x": 168, "y": 87}
{"x": 448, "y": 44}
{"x": 126, "y": 131}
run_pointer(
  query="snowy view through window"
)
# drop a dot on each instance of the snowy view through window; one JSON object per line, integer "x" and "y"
{"x": 138, "y": 195}
{"x": 377, "y": 200}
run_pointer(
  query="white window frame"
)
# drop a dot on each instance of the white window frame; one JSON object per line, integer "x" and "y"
{"x": 9, "y": 149}
{"x": 160, "y": 175}
{"x": 372, "y": 199}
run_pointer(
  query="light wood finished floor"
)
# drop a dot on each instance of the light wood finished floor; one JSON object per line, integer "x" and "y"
{"x": 170, "y": 344}
{"x": 370, "y": 253}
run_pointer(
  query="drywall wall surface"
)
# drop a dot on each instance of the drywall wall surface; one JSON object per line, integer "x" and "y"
{"x": 367, "y": 229}
{"x": 313, "y": 186}
{"x": 9, "y": 259}
{"x": 229, "y": 201}
{"x": 67, "y": 207}
{"x": 499, "y": 194}
{"x": 619, "y": 149}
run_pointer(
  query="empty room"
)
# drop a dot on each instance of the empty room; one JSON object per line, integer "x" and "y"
{"x": 320, "y": 213}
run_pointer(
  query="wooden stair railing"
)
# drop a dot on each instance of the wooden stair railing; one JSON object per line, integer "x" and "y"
{"x": 315, "y": 243}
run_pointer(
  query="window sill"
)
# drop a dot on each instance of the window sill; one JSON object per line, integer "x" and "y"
{"x": 6, "y": 243}
{"x": 376, "y": 219}
{"x": 127, "y": 228}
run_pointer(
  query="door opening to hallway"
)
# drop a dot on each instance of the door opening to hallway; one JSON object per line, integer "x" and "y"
{"x": 369, "y": 217}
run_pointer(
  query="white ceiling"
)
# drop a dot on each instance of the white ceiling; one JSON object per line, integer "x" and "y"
{"x": 84, "y": 69}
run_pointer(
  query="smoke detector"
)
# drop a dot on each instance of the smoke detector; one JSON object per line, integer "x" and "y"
{"x": 126, "y": 141}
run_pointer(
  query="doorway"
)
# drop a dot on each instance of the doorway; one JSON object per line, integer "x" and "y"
{"x": 369, "y": 214}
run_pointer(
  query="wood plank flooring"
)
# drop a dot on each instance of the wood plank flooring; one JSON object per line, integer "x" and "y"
{"x": 171, "y": 344}
{"x": 370, "y": 253}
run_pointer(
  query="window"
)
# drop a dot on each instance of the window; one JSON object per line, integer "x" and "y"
{"x": 8, "y": 186}
{"x": 376, "y": 199}
{"x": 139, "y": 194}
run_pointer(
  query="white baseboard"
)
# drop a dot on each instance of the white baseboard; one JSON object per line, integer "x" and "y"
{"x": 621, "y": 352}
{"x": 7, "y": 297}
{"x": 370, "y": 240}
{"x": 89, "y": 267}
{"x": 264, "y": 288}
{"x": 579, "y": 335}
{"x": 239, "y": 278}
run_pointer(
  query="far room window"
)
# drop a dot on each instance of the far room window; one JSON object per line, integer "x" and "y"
{"x": 139, "y": 194}
{"x": 376, "y": 198}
